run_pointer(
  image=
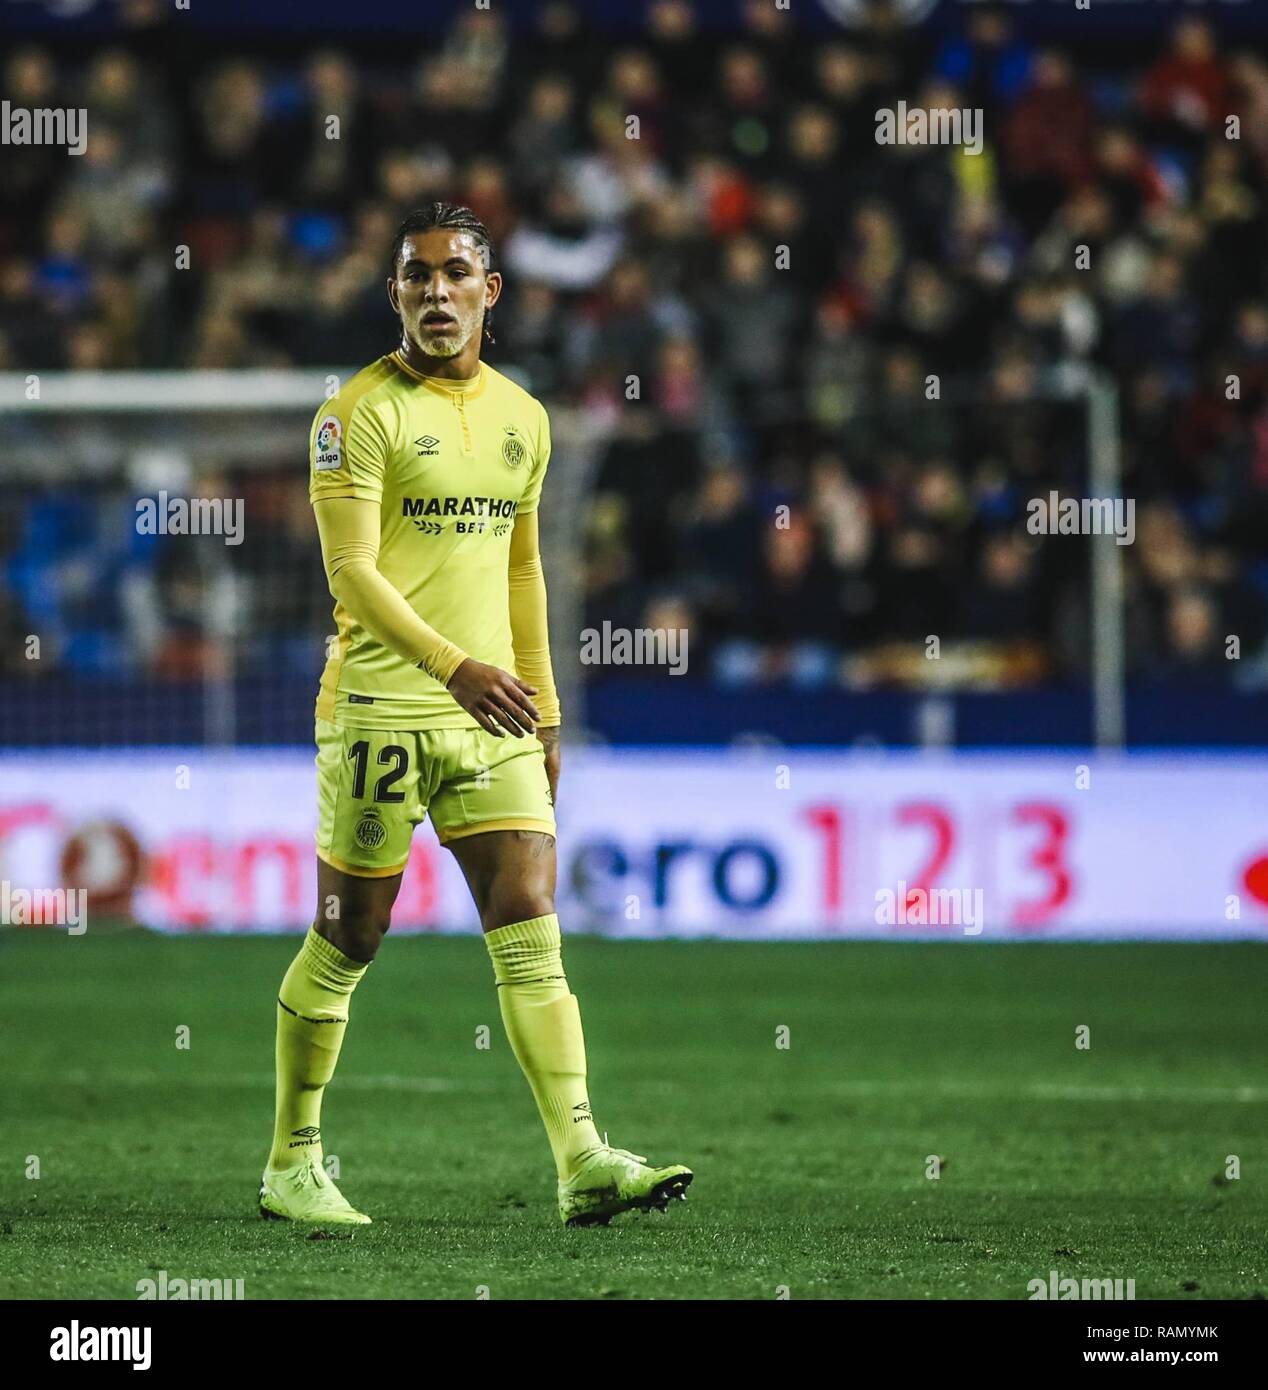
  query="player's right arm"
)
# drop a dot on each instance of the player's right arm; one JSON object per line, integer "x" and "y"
{"x": 349, "y": 528}
{"x": 349, "y": 451}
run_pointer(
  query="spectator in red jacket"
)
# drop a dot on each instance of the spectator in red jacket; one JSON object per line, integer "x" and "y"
{"x": 1047, "y": 143}
{"x": 1188, "y": 90}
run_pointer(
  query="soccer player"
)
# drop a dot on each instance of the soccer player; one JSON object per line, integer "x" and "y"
{"x": 426, "y": 472}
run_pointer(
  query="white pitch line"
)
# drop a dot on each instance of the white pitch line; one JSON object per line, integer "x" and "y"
{"x": 424, "y": 1085}
{"x": 1241, "y": 1095}
{"x": 431, "y": 1085}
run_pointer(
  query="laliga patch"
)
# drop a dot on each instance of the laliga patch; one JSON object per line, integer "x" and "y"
{"x": 328, "y": 447}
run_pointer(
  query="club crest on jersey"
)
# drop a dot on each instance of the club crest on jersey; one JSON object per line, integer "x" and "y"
{"x": 513, "y": 450}
{"x": 370, "y": 833}
{"x": 328, "y": 446}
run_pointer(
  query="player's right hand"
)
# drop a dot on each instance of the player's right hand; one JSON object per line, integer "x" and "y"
{"x": 494, "y": 698}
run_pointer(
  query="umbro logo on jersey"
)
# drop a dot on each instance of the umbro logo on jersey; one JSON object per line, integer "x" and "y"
{"x": 427, "y": 446}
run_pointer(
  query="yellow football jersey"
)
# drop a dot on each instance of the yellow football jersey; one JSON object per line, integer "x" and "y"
{"x": 451, "y": 464}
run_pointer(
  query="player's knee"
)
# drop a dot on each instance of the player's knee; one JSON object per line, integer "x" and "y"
{"x": 515, "y": 903}
{"x": 359, "y": 936}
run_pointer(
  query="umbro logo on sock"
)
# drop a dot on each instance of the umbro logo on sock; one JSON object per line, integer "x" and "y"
{"x": 304, "y": 1137}
{"x": 584, "y": 1107}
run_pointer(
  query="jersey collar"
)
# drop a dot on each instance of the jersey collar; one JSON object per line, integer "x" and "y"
{"x": 472, "y": 386}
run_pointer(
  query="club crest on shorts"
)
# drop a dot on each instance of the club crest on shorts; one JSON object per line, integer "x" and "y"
{"x": 370, "y": 832}
{"x": 513, "y": 450}
{"x": 328, "y": 445}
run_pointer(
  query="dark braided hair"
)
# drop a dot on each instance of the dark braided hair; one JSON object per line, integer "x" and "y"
{"x": 449, "y": 217}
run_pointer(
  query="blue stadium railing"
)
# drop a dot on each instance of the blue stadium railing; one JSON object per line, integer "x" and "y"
{"x": 60, "y": 712}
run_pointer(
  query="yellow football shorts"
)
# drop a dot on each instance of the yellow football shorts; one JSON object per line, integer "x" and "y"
{"x": 374, "y": 787}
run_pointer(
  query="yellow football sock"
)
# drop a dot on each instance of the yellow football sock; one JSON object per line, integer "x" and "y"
{"x": 312, "y": 1015}
{"x": 543, "y": 1023}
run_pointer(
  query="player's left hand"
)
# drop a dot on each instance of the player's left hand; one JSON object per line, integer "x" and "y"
{"x": 549, "y": 740}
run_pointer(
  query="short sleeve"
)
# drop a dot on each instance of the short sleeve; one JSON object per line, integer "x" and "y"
{"x": 348, "y": 451}
{"x": 533, "y": 492}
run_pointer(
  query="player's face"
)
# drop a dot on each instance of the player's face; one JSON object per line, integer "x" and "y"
{"x": 441, "y": 290}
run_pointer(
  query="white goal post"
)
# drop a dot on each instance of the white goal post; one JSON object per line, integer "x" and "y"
{"x": 148, "y": 426}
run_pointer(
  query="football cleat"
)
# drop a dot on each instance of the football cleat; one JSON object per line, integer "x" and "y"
{"x": 608, "y": 1181}
{"x": 306, "y": 1193}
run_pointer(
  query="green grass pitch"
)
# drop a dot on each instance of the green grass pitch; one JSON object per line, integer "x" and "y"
{"x": 811, "y": 1160}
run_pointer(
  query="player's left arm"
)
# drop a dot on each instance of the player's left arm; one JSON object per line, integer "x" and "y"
{"x": 530, "y": 635}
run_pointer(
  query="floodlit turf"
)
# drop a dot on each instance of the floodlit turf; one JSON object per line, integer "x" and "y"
{"x": 811, "y": 1161}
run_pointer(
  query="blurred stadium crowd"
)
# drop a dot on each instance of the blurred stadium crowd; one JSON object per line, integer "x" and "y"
{"x": 653, "y": 257}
